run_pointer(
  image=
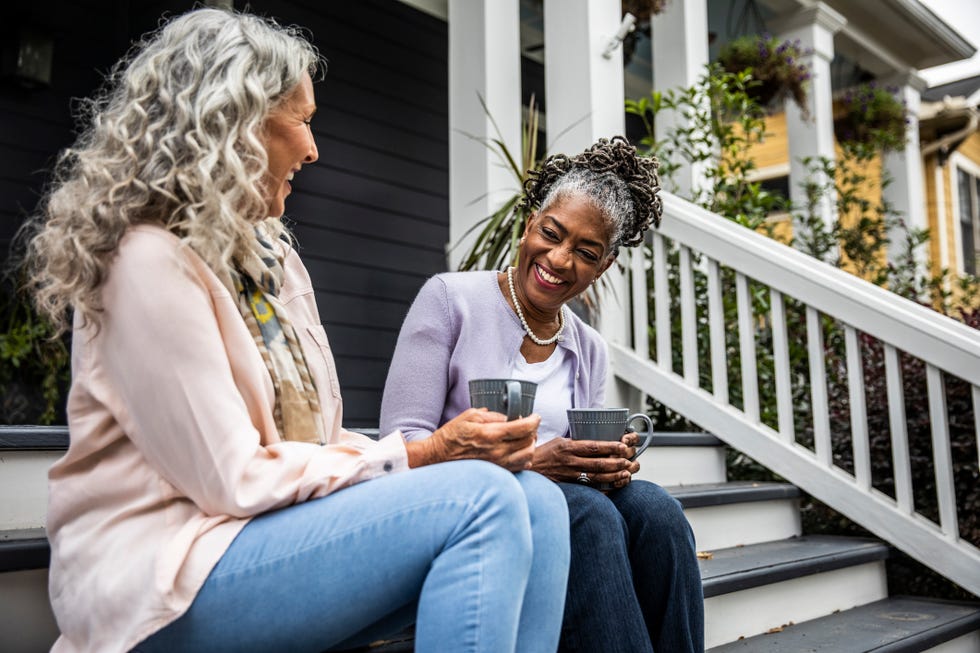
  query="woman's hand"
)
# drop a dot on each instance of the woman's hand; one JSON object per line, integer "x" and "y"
{"x": 479, "y": 434}
{"x": 563, "y": 459}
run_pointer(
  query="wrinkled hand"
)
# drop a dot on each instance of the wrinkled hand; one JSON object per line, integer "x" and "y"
{"x": 563, "y": 459}
{"x": 483, "y": 435}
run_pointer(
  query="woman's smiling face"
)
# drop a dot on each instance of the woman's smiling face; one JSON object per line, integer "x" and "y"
{"x": 289, "y": 143}
{"x": 566, "y": 248}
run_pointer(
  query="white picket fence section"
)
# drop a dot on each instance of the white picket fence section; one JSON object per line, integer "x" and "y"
{"x": 711, "y": 245}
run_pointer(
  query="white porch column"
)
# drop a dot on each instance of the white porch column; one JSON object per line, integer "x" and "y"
{"x": 906, "y": 193}
{"x": 584, "y": 100}
{"x": 484, "y": 61}
{"x": 680, "y": 54}
{"x": 814, "y": 27}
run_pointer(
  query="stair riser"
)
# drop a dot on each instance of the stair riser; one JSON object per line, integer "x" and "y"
{"x": 682, "y": 465}
{"x": 969, "y": 643}
{"x": 24, "y": 488}
{"x": 721, "y": 527}
{"x": 25, "y": 615}
{"x": 756, "y": 610}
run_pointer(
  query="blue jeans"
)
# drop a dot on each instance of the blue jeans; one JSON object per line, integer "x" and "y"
{"x": 476, "y": 556}
{"x": 634, "y": 583}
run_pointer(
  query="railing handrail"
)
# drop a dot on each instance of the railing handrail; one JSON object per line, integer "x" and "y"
{"x": 945, "y": 343}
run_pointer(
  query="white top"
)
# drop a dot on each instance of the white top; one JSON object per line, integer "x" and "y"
{"x": 554, "y": 393}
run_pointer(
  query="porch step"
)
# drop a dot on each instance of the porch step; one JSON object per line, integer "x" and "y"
{"x": 895, "y": 625}
{"x": 739, "y": 513}
{"x": 750, "y": 590}
{"x": 683, "y": 459}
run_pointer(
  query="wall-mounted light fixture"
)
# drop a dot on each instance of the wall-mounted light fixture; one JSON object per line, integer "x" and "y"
{"x": 625, "y": 27}
{"x": 27, "y": 58}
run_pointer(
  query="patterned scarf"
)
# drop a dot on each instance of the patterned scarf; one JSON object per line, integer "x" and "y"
{"x": 257, "y": 281}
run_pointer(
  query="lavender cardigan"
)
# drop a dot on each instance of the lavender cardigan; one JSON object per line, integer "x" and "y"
{"x": 460, "y": 327}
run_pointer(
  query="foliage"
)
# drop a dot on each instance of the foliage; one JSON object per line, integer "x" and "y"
{"x": 33, "y": 364}
{"x": 643, "y": 9}
{"x": 777, "y": 67}
{"x": 871, "y": 116}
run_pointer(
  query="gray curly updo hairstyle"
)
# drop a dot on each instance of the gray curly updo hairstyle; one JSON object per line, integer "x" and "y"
{"x": 173, "y": 137}
{"x": 622, "y": 185}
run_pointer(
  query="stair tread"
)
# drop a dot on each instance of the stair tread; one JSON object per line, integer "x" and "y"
{"x": 753, "y": 565}
{"x": 899, "y": 624}
{"x": 718, "y": 494}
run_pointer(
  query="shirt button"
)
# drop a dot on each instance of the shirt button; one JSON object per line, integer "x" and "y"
{"x": 578, "y": 374}
{"x": 388, "y": 466}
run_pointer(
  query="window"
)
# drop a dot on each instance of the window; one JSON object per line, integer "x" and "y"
{"x": 968, "y": 191}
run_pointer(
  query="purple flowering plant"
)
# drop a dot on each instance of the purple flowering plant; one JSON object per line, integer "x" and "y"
{"x": 871, "y": 116}
{"x": 778, "y": 68}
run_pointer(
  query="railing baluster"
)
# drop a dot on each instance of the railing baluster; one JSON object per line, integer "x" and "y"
{"x": 661, "y": 302}
{"x": 689, "y": 333}
{"x": 941, "y": 455}
{"x": 746, "y": 346}
{"x": 638, "y": 291}
{"x": 780, "y": 355}
{"x": 901, "y": 462}
{"x": 859, "y": 414}
{"x": 716, "y": 330}
{"x": 818, "y": 387}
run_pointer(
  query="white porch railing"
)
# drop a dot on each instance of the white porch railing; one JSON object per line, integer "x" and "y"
{"x": 706, "y": 244}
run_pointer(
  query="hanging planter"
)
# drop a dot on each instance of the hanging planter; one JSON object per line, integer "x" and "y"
{"x": 871, "y": 116}
{"x": 777, "y": 67}
{"x": 643, "y": 9}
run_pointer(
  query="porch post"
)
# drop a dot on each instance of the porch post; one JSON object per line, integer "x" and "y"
{"x": 814, "y": 27}
{"x": 584, "y": 96}
{"x": 484, "y": 61}
{"x": 680, "y": 54}
{"x": 906, "y": 193}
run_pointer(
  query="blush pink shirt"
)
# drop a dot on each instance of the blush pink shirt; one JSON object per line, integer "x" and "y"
{"x": 173, "y": 442}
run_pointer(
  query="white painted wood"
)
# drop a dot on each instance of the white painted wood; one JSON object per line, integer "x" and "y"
{"x": 716, "y": 326}
{"x": 24, "y": 489}
{"x": 753, "y": 611}
{"x": 661, "y": 302}
{"x": 722, "y": 527}
{"x": 941, "y": 456}
{"x": 818, "y": 386}
{"x": 26, "y": 622}
{"x": 641, "y": 314}
{"x": 814, "y": 27}
{"x": 874, "y": 510}
{"x": 484, "y": 61}
{"x": 968, "y": 643}
{"x": 679, "y": 35}
{"x": 859, "y": 413}
{"x": 780, "y": 354}
{"x": 937, "y": 339}
{"x": 689, "y": 333}
{"x": 901, "y": 462}
{"x": 746, "y": 343}
{"x": 906, "y": 193}
{"x": 682, "y": 465}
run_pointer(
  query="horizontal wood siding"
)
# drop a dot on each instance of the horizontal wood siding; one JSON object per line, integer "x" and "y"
{"x": 371, "y": 217}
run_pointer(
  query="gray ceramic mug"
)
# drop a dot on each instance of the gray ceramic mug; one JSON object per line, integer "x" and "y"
{"x": 512, "y": 397}
{"x": 607, "y": 424}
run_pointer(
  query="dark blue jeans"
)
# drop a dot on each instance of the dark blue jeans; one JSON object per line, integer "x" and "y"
{"x": 634, "y": 584}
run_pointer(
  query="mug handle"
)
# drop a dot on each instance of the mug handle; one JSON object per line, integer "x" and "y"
{"x": 513, "y": 400}
{"x": 649, "y": 438}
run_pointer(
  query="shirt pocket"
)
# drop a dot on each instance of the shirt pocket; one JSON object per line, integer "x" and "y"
{"x": 319, "y": 358}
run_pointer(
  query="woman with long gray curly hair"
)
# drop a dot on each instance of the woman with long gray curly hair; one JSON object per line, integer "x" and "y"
{"x": 634, "y": 583}
{"x": 209, "y": 498}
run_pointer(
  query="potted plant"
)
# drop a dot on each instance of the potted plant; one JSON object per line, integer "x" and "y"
{"x": 871, "y": 116}
{"x": 777, "y": 68}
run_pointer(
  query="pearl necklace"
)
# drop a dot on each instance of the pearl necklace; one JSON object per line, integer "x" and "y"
{"x": 520, "y": 315}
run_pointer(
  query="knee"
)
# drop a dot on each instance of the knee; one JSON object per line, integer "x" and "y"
{"x": 592, "y": 515}
{"x": 499, "y": 501}
{"x": 650, "y": 507}
{"x": 548, "y": 512}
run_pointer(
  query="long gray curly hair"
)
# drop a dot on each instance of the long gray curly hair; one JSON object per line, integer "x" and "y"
{"x": 173, "y": 137}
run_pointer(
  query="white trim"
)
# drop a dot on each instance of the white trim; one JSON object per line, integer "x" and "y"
{"x": 769, "y": 172}
{"x": 437, "y": 8}
{"x": 958, "y": 161}
{"x": 941, "y": 217}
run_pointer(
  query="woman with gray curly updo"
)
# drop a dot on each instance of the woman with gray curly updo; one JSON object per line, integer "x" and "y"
{"x": 634, "y": 583}
{"x": 210, "y": 499}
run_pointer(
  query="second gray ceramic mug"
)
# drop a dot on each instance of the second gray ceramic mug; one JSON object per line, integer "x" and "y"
{"x": 512, "y": 397}
{"x": 607, "y": 424}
